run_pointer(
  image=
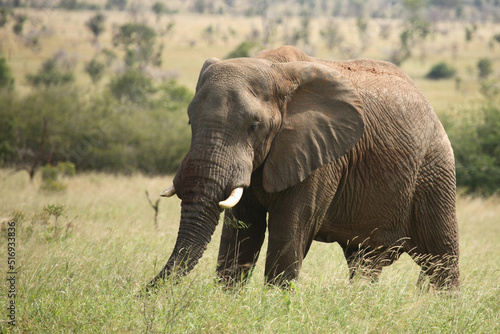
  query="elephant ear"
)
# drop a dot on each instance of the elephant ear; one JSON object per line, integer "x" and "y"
{"x": 322, "y": 121}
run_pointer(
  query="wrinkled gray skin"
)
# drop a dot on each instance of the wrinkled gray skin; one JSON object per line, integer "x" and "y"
{"x": 348, "y": 152}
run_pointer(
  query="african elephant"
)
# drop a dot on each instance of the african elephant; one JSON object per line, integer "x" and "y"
{"x": 311, "y": 149}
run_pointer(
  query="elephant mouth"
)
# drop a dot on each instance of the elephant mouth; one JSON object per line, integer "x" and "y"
{"x": 228, "y": 203}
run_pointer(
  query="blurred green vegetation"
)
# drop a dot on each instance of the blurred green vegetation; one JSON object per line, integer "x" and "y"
{"x": 136, "y": 123}
{"x": 441, "y": 70}
{"x": 96, "y": 130}
{"x": 6, "y": 78}
{"x": 473, "y": 132}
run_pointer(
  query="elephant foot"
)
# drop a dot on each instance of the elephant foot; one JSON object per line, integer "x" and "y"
{"x": 441, "y": 272}
{"x": 234, "y": 277}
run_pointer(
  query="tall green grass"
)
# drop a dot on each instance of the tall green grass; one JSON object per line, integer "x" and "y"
{"x": 84, "y": 273}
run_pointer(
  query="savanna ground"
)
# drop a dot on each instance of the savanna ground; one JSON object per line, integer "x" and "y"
{"x": 85, "y": 253}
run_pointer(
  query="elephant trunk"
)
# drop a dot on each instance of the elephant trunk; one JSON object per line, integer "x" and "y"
{"x": 200, "y": 189}
{"x": 207, "y": 183}
{"x": 197, "y": 225}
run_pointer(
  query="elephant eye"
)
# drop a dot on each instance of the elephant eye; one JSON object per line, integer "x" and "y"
{"x": 254, "y": 126}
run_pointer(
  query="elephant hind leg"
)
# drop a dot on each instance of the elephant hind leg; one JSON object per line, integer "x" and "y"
{"x": 442, "y": 270}
{"x": 368, "y": 262}
{"x": 434, "y": 229}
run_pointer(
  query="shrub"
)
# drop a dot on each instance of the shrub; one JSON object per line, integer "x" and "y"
{"x": 66, "y": 168}
{"x": 484, "y": 67}
{"x": 96, "y": 25}
{"x": 441, "y": 71}
{"x": 19, "y": 25}
{"x": 50, "y": 179}
{"x": 95, "y": 69}
{"x": 476, "y": 142}
{"x": 496, "y": 37}
{"x": 138, "y": 42}
{"x": 6, "y": 78}
{"x": 132, "y": 86}
{"x": 245, "y": 49}
{"x": 49, "y": 173}
{"x": 50, "y": 75}
{"x": 100, "y": 133}
{"x": 52, "y": 176}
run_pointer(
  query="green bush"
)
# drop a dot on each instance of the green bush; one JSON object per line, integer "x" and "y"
{"x": 100, "y": 133}
{"x": 49, "y": 173}
{"x": 245, "y": 49}
{"x": 441, "y": 71}
{"x": 132, "y": 86}
{"x": 51, "y": 180}
{"x": 96, "y": 25}
{"x": 66, "y": 168}
{"x": 50, "y": 75}
{"x": 476, "y": 142}
{"x": 484, "y": 67}
{"x": 52, "y": 175}
{"x": 95, "y": 69}
{"x": 138, "y": 41}
{"x": 6, "y": 77}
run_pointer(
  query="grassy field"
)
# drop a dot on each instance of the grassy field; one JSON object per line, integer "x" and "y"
{"x": 83, "y": 271}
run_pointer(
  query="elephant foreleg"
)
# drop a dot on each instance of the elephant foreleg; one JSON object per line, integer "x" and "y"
{"x": 240, "y": 245}
{"x": 288, "y": 244}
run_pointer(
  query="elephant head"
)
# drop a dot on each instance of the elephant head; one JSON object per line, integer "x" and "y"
{"x": 286, "y": 118}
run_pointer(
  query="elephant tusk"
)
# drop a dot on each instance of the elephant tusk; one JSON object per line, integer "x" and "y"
{"x": 233, "y": 199}
{"x": 169, "y": 192}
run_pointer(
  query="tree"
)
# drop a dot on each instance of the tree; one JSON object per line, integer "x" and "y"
{"x": 33, "y": 123}
{"x": 159, "y": 9}
{"x": 138, "y": 41}
{"x": 469, "y": 32}
{"x": 132, "y": 86}
{"x": 95, "y": 69}
{"x": 6, "y": 78}
{"x": 96, "y": 25}
{"x": 19, "y": 25}
{"x": 50, "y": 75}
{"x": 4, "y": 16}
{"x": 415, "y": 31}
{"x": 94, "y": 130}
{"x": 485, "y": 68}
